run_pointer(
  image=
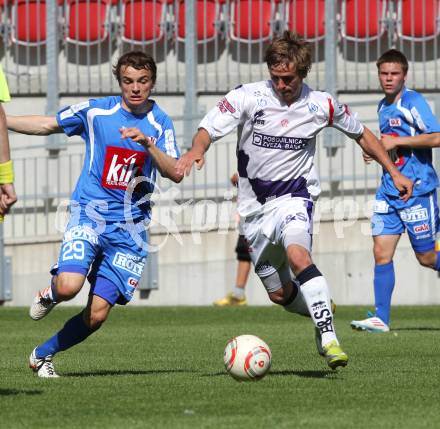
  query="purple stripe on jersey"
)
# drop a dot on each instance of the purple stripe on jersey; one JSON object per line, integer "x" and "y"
{"x": 243, "y": 161}
{"x": 268, "y": 189}
{"x": 310, "y": 209}
{"x": 265, "y": 189}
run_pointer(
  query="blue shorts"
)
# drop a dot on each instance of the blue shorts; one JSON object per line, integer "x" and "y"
{"x": 419, "y": 216}
{"x": 112, "y": 256}
{"x": 107, "y": 290}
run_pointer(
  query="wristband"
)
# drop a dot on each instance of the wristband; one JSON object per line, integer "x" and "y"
{"x": 6, "y": 172}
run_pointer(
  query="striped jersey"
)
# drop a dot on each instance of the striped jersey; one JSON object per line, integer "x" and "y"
{"x": 409, "y": 116}
{"x": 276, "y": 142}
{"x": 111, "y": 162}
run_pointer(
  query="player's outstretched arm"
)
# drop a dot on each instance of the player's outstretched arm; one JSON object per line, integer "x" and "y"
{"x": 34, "y": 125}
{"x": 372, "y": 147}
{"x": 200, "y": 144}
{"x": 163, "y": 162}
{"x": 421, "y": 141}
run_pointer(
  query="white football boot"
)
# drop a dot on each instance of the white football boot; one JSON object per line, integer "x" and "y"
{"x": 42, "y": 305}
{"x": 370, "y": 324}
{"x": 43, "y": 367}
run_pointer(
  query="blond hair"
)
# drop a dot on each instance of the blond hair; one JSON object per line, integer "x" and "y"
{"x": 290, "y": 48}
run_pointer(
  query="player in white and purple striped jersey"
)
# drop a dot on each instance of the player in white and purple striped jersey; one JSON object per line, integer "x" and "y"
{"x": 277, "y": 122}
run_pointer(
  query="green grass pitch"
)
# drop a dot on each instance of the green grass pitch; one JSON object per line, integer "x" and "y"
{"x": 163, "y": 368}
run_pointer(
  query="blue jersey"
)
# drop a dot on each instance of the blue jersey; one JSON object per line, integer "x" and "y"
{"x": 409, "y": 116}
{"x": 111, "y": 162}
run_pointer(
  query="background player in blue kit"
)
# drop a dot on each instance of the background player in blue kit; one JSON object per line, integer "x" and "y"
{"x": 402, "y": 113}
{"x": 128, "y": 138}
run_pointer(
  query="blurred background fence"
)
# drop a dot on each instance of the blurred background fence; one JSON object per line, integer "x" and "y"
{"x": 59, "y": 52}
{"x": 84, "y": 37}
{"x": 45, "y": 179}
{"x": 53, "y": 49}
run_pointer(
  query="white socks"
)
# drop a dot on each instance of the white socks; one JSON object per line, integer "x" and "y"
{"x": 238, "y": 292}
{"x": 316, "y": 295}
{"x": 298, "y": 305}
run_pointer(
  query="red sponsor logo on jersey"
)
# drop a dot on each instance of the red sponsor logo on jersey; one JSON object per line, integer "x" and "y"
{"x": 221, "y": 107}
{"x": 284, "y": 123}
{"x": 224, "y": 105}
{"x": 395, "y": 154}
{"x": 120, "y": 166}
{"x": 394, "y": 122}
{"x": 421, "y": 228}
{"x": 400, "y": 159}
{"x": 133, "y": 282}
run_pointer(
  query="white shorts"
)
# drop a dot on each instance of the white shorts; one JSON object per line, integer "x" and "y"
{"x": 269, "y": 234}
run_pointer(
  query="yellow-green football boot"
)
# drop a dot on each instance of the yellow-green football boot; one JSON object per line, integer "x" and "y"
{"x": 230, "y": 301}
{"x": 334, "y": 355}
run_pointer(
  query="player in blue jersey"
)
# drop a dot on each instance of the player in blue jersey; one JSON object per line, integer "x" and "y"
{"x": 406, "y": 124}
{"x": 128, "y": 138}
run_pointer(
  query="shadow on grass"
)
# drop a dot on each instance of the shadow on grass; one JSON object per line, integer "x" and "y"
{"x": 416, "y": 328}
{"x": 216, "y": 374}
{"x": 14, "y": 392}
{"x": 272, "y": 373}
{"x": 303, "y": 373}
{"x": 112, "y": 373}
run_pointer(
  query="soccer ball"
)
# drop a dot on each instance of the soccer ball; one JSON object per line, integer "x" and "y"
{"x": 247, "y": 358}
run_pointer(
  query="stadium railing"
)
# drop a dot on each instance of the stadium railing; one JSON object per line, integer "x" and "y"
{"x": 231, "y": 38}
{"x": 205, "y": 200}
{"x": 87, "y": 47}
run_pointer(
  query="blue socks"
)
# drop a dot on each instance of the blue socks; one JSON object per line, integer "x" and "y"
{"x": 384, "y": 280}
{"x": 74, "y": 331}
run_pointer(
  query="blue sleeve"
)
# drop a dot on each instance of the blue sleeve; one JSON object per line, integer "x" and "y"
{"x": 167, "y": 140}
{"x": 424, "y": 120}
{"x": 73, "y": 119}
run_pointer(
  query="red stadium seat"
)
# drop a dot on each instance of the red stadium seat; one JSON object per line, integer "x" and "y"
{"x": 251, "y": 20}
{"x": 307, "y": 18}
{"x": 418, "y": 20}
{"x": 208, "y": 12}
{"x": 363, "y": 20}
{"x": 87, "y": 21}
{"x": 143, "y": 21}
{"x": 28, "y": 22}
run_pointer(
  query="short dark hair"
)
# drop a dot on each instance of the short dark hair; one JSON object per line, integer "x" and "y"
{"x": 393, "y": 56}
{"x": 138, "y": 60}
{"x": 290, "y": 48}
